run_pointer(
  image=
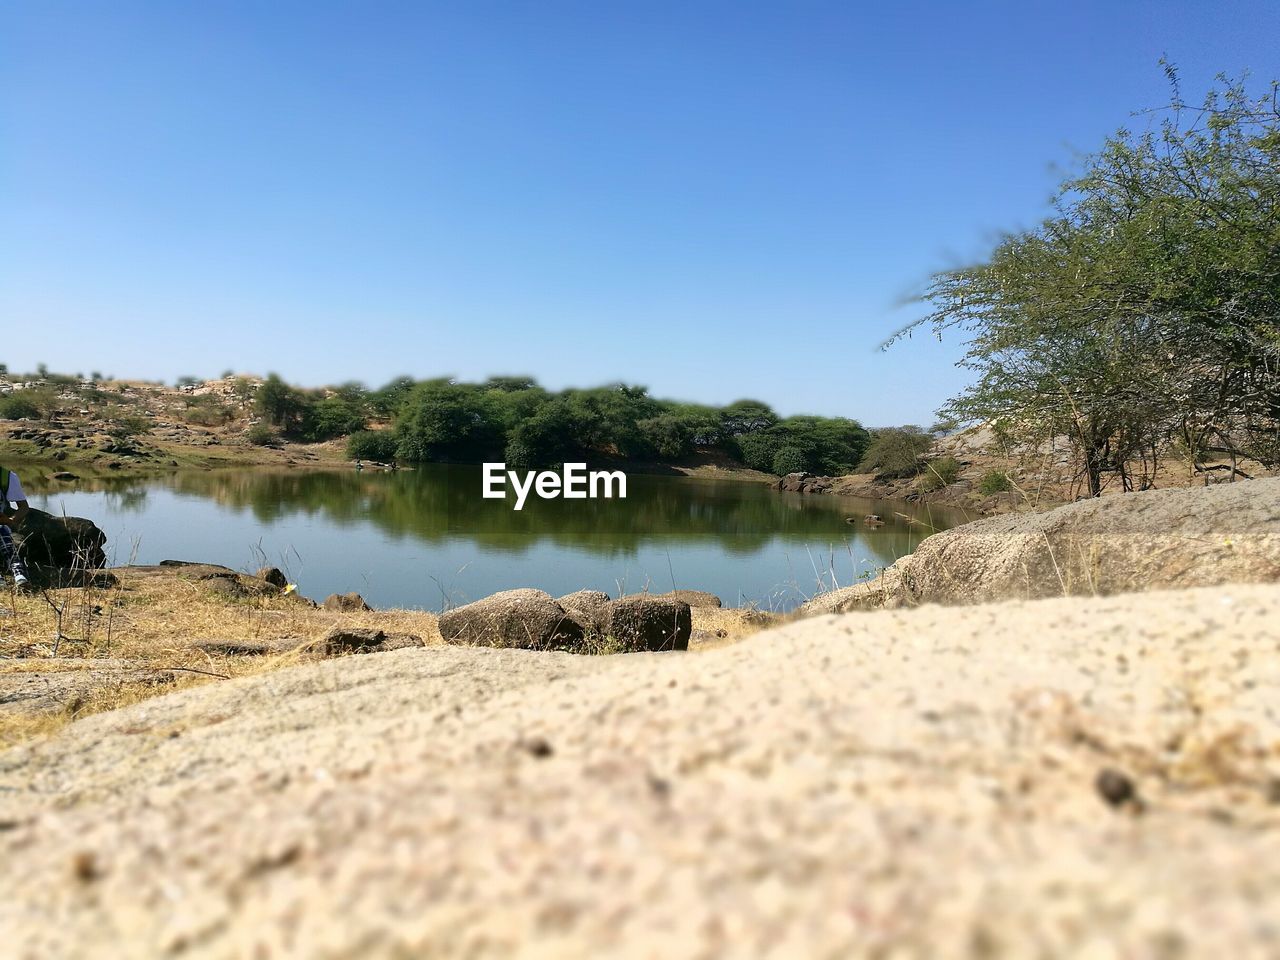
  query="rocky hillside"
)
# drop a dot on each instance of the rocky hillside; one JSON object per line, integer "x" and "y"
{"x": 122, "y": 426}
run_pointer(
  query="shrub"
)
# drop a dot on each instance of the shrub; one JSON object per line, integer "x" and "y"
{"x": 993, "y": 482}
{"x": 377, "y": 445}
{"x": 17, "y": 408}
{"x": 207, "y": 411}
{"x": 790, "y": 460}
{"x": 938, "y": 473}
{"x": 261, "y": 435}
{"x": 125, "y": 426}
{"x": 896, "y": 451}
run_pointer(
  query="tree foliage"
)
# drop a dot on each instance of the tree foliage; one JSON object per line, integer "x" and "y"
{"x": 1144, "y": 311}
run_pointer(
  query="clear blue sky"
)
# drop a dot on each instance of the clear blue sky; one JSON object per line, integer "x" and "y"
{"x": 716, "y": 199}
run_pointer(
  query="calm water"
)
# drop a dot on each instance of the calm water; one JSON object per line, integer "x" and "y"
{"x": 425, "y": 538}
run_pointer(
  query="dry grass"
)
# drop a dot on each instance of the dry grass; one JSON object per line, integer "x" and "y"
{"x": 124, "y": 644}
{"x": 138, "y": 640}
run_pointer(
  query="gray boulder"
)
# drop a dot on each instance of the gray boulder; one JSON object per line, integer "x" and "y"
{"x": 648, "y": 623}
{"x": 61, "y": 543}
{"x": 528, "y": 619}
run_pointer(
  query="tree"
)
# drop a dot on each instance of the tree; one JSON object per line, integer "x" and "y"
{"x": 1143, "y": 310}
{"x": 896, "y": 451}
{"x": 281, "y": 405}
{"x": 546, "y": 439}
{"x": 443, "y": 420}
{"x": 747, "y": 416}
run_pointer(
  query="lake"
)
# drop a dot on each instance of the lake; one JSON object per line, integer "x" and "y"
{"x": 425, "y": 538}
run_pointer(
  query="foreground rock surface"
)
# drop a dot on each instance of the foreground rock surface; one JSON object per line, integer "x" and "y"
{"x": 916, "y": 783}
{"x": 1158, "y": 539}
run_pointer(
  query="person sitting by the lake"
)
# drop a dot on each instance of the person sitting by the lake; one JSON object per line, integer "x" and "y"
{"x": 11, "y": 492}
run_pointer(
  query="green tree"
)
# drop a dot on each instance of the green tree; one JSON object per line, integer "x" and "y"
{"x": 1143, "y": 311}
{"x": 896, "y": 451}
{"x": 445, "y": 421}
{"x": 282, "y": 406}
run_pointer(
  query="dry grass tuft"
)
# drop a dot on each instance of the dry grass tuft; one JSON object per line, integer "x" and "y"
{"x": 65, "y": 654}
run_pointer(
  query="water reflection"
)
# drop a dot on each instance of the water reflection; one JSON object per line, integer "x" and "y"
{"x": 742, "y": 538}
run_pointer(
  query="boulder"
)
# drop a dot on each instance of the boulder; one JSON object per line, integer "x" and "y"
{"x": 694, "y": 598}
{"x": 1153, "y": 540}
{"x": 61, "y": 542}
{"x": 273, "y": 576}
{"x": 643, "y": 622}
{"x": 341, "y": 640}
{"x": 587, "y": 607}
{"x": 528, "y": 619}
{"x": 64, "y": 476}
{"x": 793, "y": 482}
{"x": 225, "y": 585}
{"x": 346, "y": 603}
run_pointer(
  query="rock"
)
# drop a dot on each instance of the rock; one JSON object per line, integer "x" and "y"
{"x": 1156, "y": 539}
{"x": 528, "y": 619}
{"x": 226, "y": 586}
{"x": 804, "y": 483}
{"x": 346, "y": 603}
{"x": 61, "y": 542}
{"x": 694, "y": 598}
{"x": 273, "y": 576}
{"x": 649, "y": 623}
{"x": 931, "y": 769}
{"x": 793, "y": 482}
{"x": 235, "y": 648}
{"x": 587, "y": 607}
{"x": 64, "y": 476}
{"x": 341, "y": 640}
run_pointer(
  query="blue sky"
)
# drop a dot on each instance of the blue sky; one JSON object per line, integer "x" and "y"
{"x": 716, "y": 199}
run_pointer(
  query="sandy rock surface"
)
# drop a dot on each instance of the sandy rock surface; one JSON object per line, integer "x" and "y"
{"x": 1158, "y": 539}
{"x": 908, "y": 783}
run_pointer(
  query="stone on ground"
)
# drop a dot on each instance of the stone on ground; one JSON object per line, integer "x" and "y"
{"x": 346, "y": 603}
{"x": 527, "y": 619}
{"x": 643, "y": 622}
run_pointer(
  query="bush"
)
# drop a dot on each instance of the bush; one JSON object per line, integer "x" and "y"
{"x": 938, "y": 473}
{"x": 377, "y": 445}
{"x": 261, "y": 435}
{"x": 993, "y": 482}
{"x": 896, "y": 451}
{"x": 790, "y": 460}
{"x": 207, "y": 411}
{"x": 127, "y": 426}
{"x": 17, "y": 408}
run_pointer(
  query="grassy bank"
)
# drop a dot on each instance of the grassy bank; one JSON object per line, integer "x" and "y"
{"x": 69, "y": 653}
